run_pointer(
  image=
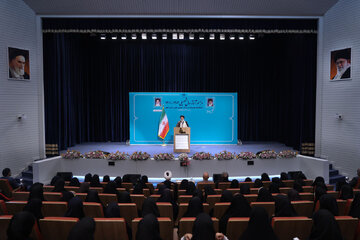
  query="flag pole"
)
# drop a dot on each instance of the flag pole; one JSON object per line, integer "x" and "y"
{"x": 163, "y": 144}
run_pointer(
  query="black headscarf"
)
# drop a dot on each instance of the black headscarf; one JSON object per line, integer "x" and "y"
{"x": 106, "y": 178}
{"x": 258, "y": 183}
{"x": 239, "y": 208}
{"x": 226, "y": 196}
{"x": 83, "y": 230}
{"x": 33, "y": 206}
{"x": 148, "y": 228}
{"x": 59, "y": 185}
{"x": 274, "y": 188}
{"x": 318, "y": 180}
{"x": 36, "y": 191}
{"x": 75, "y": 208}
{"x": 319, "y": 191}
{"x": 265, "y": 177}
{"x": 66, "y": 196}
{"x": 190, "y": 189}
{"x": 298, "y": 186}
{"x": 84, "y": 187}
{"x": 283, "y": 176}
{"x": 278, "y": 182}
{"x": 259, "y": 226}
{"x": 74, "y": 182}
{"x": 283, "y": 207}
{"x": 195, "y": 207}
{"x": 325, "y": 226}
{"x": 183, "y": 184}
{"x": 112, "y": 210}
{"x": 355, "y": 206}
{"x": 264, "y": 196}
{"x": 293, "y": 195}
{"x": 248, "y": 179}
{"x": 208, "y": 190}
{"x": 203, "y": 228}
{"x": 20, "y": 226}
{"x": 161, "y": 189}
{"x": 110, "y": 188}
{"x": 92, "y": 196}
{"x": 123, "y": 197}
{"x": 166, "y": 197}
{"x": 167, "y": 183}
{"x": 346, "y": 192}
{"x": 245, "y": 189}
{"x": 149, "y": 207}
{"x": 54, "y": 179}
{"x": 329, "y": 202}
{"x": 95, "y": 181}
{"x": 144, "y": 179}
{"x": 138, "y": 189}
{"x": 118, "y": 182}
{"x": 88, "y": 177}
{"x": 234, "y": 184}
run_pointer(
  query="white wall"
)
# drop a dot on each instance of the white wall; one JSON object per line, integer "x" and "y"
{"x": 339, "y": 140}
{"x": 21, "y": 142}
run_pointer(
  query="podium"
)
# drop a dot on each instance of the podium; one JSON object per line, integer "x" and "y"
{"x": 181, "y": 139}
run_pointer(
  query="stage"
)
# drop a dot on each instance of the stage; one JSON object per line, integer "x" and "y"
{"x": 45, "y": 169}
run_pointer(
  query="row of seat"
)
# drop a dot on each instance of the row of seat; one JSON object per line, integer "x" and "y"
{"x": 58, "y": 228}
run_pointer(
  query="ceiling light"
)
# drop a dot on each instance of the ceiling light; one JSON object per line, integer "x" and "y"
{"x": 102, "y": 36}
{"x": 191, "y": 36}
{"x": 252, "y": 37}
{"x": 212, "y": 36}
{"x": 222, "y": 36}
{"x": 123, "y": 36}
{"x": 164, "y": 36}
{"x": 154, "y": 36}
{"x": 133, "y": 36}
{"x": 143, "y": 36}
{"x": 241, "y": 37}
{"x": 201, "y": 36}
{"x": 174, "y": 36}
{"x": 181, "y": 36}
{"x": 113, "y": 36}
{"x": 232, "y": 37}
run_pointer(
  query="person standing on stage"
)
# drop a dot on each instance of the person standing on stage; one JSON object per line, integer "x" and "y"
{"x": 182, "y": 123}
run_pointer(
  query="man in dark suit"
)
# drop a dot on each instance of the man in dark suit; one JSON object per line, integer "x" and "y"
{"x": 355, "y": 182}
{"x": 343, "y": 66}
{"x": 182, "y": 123}
{"x": 7, "y": 175}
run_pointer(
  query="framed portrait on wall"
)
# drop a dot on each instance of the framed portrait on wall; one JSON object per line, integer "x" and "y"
{"x": 19, "y": 64}
{"x": 340, "y": 64}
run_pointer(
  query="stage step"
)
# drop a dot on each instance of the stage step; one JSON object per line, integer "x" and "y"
{"x": 334, "y": 176}
{"x": 333, "y": 172}
{"x": 26, "y": 177}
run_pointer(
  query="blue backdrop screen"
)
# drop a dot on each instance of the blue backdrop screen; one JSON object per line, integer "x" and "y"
{"x": 212, "y": 117}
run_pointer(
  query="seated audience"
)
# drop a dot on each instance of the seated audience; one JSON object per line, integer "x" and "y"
{"x": 83, "y": 229}
{"x": 245, "y": 189}
{"x": 149, "y": 207}
{"x": 106, "y": 178}
{"x": 258, "y": 183}
{"x": 148, "y": 228}
{"x": 112, "y": 210}
{"x": 355, "y": 206}
{"x": 355, "y": 182}
{"x": 7, "y": 175}
{"x": 195, "y": 207}
{"x": 92, "y": 196}
{"x": 346, "y": 192}
{"x": 36, "y": 191}
{"x": 95, "y": 181}
{"x": 110, "y": 188}
{"x": 20, "y": 226}
{"x": 138, "y": 188}
{"x": 75, "y": 208}
{"x": 325, "y": 226}
{"x": 274, "y": 188}
{"x": 59, "y": 186}
{"x": 183, "y": 184}
{"x": 239, "y": 208}
{"x": 226, "y": 196}
{"x": 294, "y": 195}
{"x": 283, "y": 207}
{"x": 205, "y": 178}
{"x": 34, "y": 206}
{"x": 264, "y": 195}
{"x": 284, "y": 176}
{"x": 118, "y": 182}
{"x": 54, "y": 179}
{"x": 248, "y": 179}
{"x": 318, "y": 180}
{"x": 203, "y": 228}
{"x": 124, "y": 197}
{"x": 329, "y": 202}
{"x": 166, "y": 197}
{"x": 74, "y": 182}
{"x": 88, "y": 178}
{"x": 259, "y": 226}
{"x": 265, "y": 177}
{"x": 84, "y": 187}
{"x": 208, "y": 190}
{"x": 234, "y": 184}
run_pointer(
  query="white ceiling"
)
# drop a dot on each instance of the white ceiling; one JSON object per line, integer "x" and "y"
{"x": 182, "y": 7}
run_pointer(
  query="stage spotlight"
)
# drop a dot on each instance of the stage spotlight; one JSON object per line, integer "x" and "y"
{"x": 201, "y": 36}
{"x": 252, "y": 37}
{"x": 174, "y": 36}
{"x": 102, "y": 36}
{"x": 143, "y": 36}
{"x": 154, "y": 36}
{"x": 222, "y": 36}
{"x": 113, "y": 36}
{"x": 212, "y": 36}
{"x": 241, "y": 37}
{"x": 133, "y": 36}
{"x": 123, "y": 36}
{"x": 164, "y": 36}
{"x": 232, "y": 37}
{"x": 181, "y": 36}
{"x": 191, "y": 36}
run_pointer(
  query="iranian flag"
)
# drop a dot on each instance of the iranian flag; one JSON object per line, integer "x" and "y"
{"x": 163, "y": 125}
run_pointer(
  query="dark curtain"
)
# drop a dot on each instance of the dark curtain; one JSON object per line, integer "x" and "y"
{"x": 87, "y": 82}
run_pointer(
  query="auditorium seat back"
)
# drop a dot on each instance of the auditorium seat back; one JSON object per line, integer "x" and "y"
{"x": 251, "y": 184}
{"x": 224, "y": 185}
{"x": 54, "y": 209}
{"x": 303, "y": 208}
{"x": 308, "y": 182}
{"x": 250, "y": 197}
{"x": 110, "y": 228}
{"x": 212, "y": 199}
{"x": 290, "y": 227}
{"x": 13, "y": 207}
{"x": 236, "y": 227}
{"x": 269, "y": 206}
{"x": 92, "y": 209}
{"x": 201, "y": 186}
{"x": 184, "y": 198}
{"x": 254, "y": 190}
{"x": 151, "y": 187}
{"x": 98, "y": 189}
{"x": 4, "y": 224}
{"x": 220, "y": 209}
{"x": 285, "y": 189}
{"x": 82, "y": 196}
{"x": 57, "y": 228}
{"x": 288, "y": 183}
{"x": 165, "y": 209}
{"x": 234, "y": 190}
{"x": 348, "y": 226}
{"x": 106, "y": 198}
{"x": 48, "y": 188}
{"x": 138, "y": 199}
{"x": 348, "y": 206}
{"x": 155, "y": 196}
{"x": 165, "y": 225}
{"x": 186, "y": 225}
{"x": 127, "y": 186}
{"x": 20, "y": 196}
{"x": 52, "y": 196}
{"x": 3, "y": 210}
{"x": 184, "y": 206}
{"x": 6, "y": 188}
{"x": 307, "y": 196}
{"x": 341, "y": 206}
{"x": 128, "y": 211}
{"x": 308, "y": 189}
{"x": 72, "y": 188}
